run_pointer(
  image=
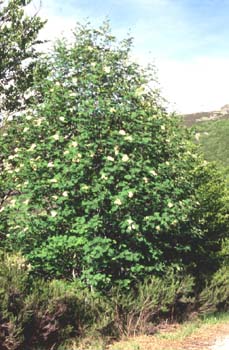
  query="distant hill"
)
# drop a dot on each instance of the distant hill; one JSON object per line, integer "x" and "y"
{"x": 193, "y": 118}
{"x": 212, "y": 134}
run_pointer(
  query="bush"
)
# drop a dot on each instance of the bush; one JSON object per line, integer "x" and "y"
{"x": 42, "y": 314}
{"x": 215, "y": 297}
{"x": 102, "y": 183}
{"x": 46, "y": 315}
{"x": 137, "y": 311}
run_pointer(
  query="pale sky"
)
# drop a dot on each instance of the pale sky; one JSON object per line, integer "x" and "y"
{"x": 187, "y": 40}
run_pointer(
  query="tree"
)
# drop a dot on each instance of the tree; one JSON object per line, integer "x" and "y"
{"x": 108, "y": 180}
{"x": 18, "y": 66}
{"x": 18, "y": 40}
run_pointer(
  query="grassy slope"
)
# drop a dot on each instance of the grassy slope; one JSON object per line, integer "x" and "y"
{"x": 215, "y": 143}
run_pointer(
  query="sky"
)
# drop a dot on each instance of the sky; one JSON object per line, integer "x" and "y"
{"x": 187, "y": 40}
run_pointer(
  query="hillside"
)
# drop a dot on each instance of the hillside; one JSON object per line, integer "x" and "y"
{"x": 212, "y": 133}
{"x": 191, "y": 119}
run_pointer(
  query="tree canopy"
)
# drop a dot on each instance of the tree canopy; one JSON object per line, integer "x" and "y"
{"x": 107, "y": 183}
{"x": 18, "y": 40}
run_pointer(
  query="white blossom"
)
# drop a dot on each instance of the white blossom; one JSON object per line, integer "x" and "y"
{"x": 158, "y": 228}
{"x": 74, "y": 144}
{"x": 74, "y": 80}
{"x": 62, "y": 119}
{"x": 111, "y": 159}
{"x": 125, "y": 158}
{"x": 153, "y": 172}
{"x": 130, "y": 194}
{"x": 65, "y": 194}
{"x": 56, "y": 137}
{"x": 53, "y": 180}
{"x": 50, "y": 165}
{"x": 39, "y": 121}
{"x": 106, "y": 69}
{"x": 116, "y": 150}
{"x": 53, "y": 213}
{"x": 170, "y": 205}
{"x": 104, "y": 177}
{"x": 128, "y": 138}
{"x": 122, "y": 132}
{"x": 32, "y": 147}
{"x": 11, "y": 157}
{"x": 118, "y": 201}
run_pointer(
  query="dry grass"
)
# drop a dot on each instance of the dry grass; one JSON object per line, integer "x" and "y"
{"x": 198, "y": 335}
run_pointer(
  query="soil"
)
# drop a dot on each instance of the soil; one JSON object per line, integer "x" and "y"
{"x": 207, "y": 337}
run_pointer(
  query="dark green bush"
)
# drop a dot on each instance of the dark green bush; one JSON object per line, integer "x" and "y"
{"x": 215, "y": 297}
{"x": 38, "y": 314}
{"x": 156, "y": 299}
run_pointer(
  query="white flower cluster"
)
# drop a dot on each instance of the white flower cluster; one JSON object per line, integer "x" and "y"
{"x": 118, "y": 201}
{"x": 32, "y": 147}
{"x": 131, "y": 225}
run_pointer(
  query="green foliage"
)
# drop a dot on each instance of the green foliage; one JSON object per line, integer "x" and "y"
{"x": 212, "y": 217}
{"x": 18, "y": 66}
{"x": 105, "y": 184}
{"x": 214, "y": 142}
{"x": 137, "y": 309}
{"x": 18, "y": 38}
{"x": 40, "y": 315}
{"x": 215, "y": 297}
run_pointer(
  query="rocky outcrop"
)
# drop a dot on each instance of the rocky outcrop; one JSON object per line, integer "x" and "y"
{"x": 190, "y": 119}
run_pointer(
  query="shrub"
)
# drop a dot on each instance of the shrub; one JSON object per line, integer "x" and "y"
{"x": 42, "y": 314}
{"x": 138, "y": 310}
{"x": 53, "y": 314}
{"x": 105, "y": 182}
{"x": 215, "y": 297}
